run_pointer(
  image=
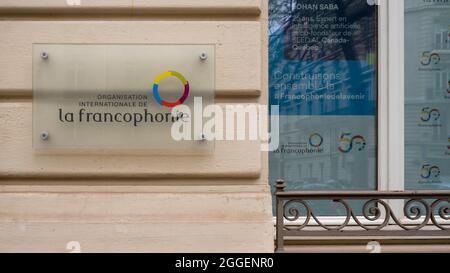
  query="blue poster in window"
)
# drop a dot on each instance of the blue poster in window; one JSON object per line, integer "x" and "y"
{"x": 323, "y": 57}
{"x": 323, "y": 77}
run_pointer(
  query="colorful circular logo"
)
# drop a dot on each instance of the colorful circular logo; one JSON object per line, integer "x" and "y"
{"x": 315, "y": 140}
{"x": 161, "y": 77}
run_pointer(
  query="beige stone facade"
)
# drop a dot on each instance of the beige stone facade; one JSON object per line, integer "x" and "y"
{"x": 124, "y": 202}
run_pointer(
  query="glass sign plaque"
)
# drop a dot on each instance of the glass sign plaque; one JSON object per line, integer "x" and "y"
{"x": 138, "y": 97}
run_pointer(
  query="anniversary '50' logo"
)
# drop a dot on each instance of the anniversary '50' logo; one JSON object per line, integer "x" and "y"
{"x": 347, "y": 142}
{"x": 430, "y": 174}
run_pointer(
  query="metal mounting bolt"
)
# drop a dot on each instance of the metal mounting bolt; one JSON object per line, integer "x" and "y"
{"x": 203, "y": 56}
{"x": 44, "y": 55}
{"x": 45, "y": 135}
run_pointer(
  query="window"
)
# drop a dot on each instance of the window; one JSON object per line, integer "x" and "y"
{"x": 427, "y": 94}
{"x": 397, "y": 55}
{"x": 323, "y": 75}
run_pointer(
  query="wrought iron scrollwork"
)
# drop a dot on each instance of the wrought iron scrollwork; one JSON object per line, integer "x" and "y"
{"x": 418, "y": 211}
{"x": 373, "y": 213}
{"x": 442, "y": 207}
{"x": 424, "y": 214}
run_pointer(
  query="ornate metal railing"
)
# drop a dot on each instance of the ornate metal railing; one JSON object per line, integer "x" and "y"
{"x": 425, "y": 213}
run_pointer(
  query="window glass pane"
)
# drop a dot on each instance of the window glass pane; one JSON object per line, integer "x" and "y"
{"x": 323, "y": 59}
{"x": 427, "y": 94}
